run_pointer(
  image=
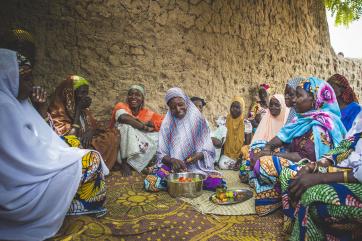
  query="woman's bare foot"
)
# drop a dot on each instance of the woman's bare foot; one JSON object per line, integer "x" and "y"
{"x": 126, "y": 170}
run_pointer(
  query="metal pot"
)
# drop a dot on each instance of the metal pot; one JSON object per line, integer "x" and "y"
{"x": 185, "y": 189}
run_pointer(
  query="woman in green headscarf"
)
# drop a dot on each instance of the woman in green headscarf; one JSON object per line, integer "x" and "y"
{"x": 71, "y": 118}
{"x": 138, "y": 127}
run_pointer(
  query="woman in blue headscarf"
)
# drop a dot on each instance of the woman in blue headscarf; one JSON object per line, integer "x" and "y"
{"x": 317, "y": 129}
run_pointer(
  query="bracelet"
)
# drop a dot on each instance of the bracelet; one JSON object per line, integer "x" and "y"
{"x": 345, "y": 176}
{"x": 322, "y": 169}
{"x": 75, "y": 125}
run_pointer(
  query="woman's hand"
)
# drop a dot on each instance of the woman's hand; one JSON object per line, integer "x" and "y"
{"x": 307, "y": 169}
{"x": 261, "y": 154}
{"x": 39, "y": 95}
{"x": 87, "y": 137}
{"x": 178, "y": 165}
{"x": 301, "y": 183}
{"x": 148, "y": 128}
{"x": 195, "y": 157}
{"x": 39, "y": 99}
{"x": 150, "y": 124}
{"x": 84, "y": 102}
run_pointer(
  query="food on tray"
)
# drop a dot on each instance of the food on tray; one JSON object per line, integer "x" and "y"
{"x": 228, "y": 197}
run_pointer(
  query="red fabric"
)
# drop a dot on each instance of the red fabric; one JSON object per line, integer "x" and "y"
{"x": 348, "y": 95}
{"x": 144, "y": 115}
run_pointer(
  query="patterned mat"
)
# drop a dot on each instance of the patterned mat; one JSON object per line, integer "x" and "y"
{"x": 138, "y": 215}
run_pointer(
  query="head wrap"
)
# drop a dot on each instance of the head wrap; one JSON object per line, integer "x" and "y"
{"x": 138, "y": 87}
{"x": 62, "y": 104}
{"x": 270, "y": 125}
{"x": 180, "y": 138}
{"x": 20, "y": 41}
{"x": 241, "y": 101}
{"x": 235, "y": 132}
{"x": 78, "y": 81}
{"x": 293, "y": 83}
{"x": 351, "y": 110}
{"x": 325, "y": 116}
{"x": 348, "y": 94}
{"x": 265, "y": 86}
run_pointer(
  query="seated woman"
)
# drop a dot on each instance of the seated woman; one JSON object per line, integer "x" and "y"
{"x": 329, "y": 199}
{"x": 347, "y": 100}
{"x": 41, "y": 178}
{"x": 238, "y": 136}
{"x": 273, "y": 120}
{"x": 184, "y": 144}
{"x": 70, "y": 117}
{"x": 260, "y": 106}
{"x": 318, "y": 129}
{"x": 269, "y": 126}
{"x": 138, "y": 127}
{"x": 290, "y": 97}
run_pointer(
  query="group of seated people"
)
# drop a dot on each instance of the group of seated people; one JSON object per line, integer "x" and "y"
{"x": 299, "y": 151}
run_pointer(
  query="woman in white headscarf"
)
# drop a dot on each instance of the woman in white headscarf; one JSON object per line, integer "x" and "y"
{"x": 184, "y": 144}
{"x": 41, "y": 177}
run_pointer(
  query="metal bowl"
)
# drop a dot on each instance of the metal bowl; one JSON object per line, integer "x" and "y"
{"x": 185, "y": 189}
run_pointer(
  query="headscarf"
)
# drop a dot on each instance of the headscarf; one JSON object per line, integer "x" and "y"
{"x": 325, "y": 114}
{"x": 293, "y": 83}
{"x": 265, "y": 86}
{"x": 235, "y": 132}
{"x": 20, "y": 41}
{"x": 270, "y": 125}
{"x": 138, "y": 87}
{"x": 180, "y": 138}
{"x": 351, "y": 110}
{"x": 348, "y": 95}
{"x": 39, "y": 173}
{"x": 62, "y": 105}
{"x": 78, "y": 81}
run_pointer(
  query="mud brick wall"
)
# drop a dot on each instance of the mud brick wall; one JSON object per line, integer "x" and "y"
{"x": 211, "y": 48}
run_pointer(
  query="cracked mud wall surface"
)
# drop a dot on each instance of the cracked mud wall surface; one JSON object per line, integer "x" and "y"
{"x": 211, "y": 48}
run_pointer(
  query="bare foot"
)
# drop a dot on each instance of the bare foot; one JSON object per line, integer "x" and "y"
{"x": 125, "y": 169}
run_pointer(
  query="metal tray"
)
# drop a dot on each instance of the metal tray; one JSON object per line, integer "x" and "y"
{"x": 247, "y": 194}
